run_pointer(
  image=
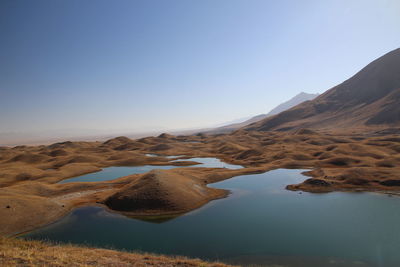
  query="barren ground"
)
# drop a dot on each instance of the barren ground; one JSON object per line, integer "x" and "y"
{"x": 30, "y": 195}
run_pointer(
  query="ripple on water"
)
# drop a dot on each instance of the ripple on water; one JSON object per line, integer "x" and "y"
{"x": 259, "y": 223}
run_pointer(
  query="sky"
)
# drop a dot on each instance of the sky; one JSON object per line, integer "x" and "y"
{"x": 141, "y": 65}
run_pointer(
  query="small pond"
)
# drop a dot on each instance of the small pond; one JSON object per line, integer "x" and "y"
{"x": 111, "y": 173}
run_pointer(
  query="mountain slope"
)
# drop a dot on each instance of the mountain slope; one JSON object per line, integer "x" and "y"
{"x": 298, "y": 99}
{"x": 301, "y": 97}
{"x": 369, "y": 98}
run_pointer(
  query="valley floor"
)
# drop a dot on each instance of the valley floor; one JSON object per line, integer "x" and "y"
{"x": 31, "y": 195}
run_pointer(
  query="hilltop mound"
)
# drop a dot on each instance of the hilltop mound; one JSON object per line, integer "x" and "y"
{"x": 160, "y": 191}
{"x": 65, "y": 144}
{"x": 166, "y": 136}
{"x": 369, "y": 98}
{"x": 120, "y": 140}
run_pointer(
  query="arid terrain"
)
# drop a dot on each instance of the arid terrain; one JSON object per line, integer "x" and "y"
{"x": 351, "y": 143}
{"x": 31, "y": 196}
{"x": 347, "y": 137}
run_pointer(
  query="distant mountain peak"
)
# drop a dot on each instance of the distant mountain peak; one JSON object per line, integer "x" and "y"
{"x": 370, "y": 98}
{"x": 297, "y": 99}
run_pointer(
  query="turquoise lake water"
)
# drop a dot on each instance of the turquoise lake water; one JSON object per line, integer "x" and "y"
{"x": 260, "y": 223}
{"x": 111, "y": 173}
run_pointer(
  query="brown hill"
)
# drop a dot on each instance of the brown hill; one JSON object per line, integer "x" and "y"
{"x": 159, "y": 191}
{"x": 369, "y": 98}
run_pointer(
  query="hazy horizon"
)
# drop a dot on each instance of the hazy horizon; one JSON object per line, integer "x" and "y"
{"x": 148, "y": 66}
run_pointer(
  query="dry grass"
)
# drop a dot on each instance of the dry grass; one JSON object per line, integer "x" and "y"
{"x": 30, "y": 196}
{"x": 16, "y": 252}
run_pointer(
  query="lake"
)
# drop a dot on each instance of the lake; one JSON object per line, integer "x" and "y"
{"x": 111, "y": 173}
{"x": 259, "y": 223}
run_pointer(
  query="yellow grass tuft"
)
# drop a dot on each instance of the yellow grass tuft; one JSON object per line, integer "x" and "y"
{"x": 17, "y": 252}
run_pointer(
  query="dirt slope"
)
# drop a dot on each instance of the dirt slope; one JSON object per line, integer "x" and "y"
{"x": 299, "y": 98}
{"x": 371, "y": 98}
{"x": 160, "y": 191}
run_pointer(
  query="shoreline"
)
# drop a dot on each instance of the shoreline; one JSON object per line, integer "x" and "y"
{"x": 31, "y": 175}
{"x": 178, "y": 214}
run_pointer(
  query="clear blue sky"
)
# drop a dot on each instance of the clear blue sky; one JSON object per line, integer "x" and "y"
{"x": 140, "y": 65}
